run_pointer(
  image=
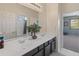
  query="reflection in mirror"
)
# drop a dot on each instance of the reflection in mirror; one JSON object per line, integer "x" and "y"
{"x": 12, "y": 26}
{"x": 21, "y": 25}
{"x": 8, "y": 25}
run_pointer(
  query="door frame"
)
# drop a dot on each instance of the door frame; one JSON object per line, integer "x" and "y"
{"x": 60, "y": 47}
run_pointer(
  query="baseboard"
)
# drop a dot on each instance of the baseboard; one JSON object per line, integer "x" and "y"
{"x": 67, "y": 52}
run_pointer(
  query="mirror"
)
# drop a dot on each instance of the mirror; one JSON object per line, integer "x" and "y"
{"x": 8, "y": 25}
{"x": 12, "y": 26}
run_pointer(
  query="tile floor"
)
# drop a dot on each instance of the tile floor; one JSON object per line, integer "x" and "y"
{"x": 71, "y": 42}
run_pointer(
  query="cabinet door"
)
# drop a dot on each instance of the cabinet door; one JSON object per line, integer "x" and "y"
{"x": 53, "y": 46}
{"x": 31, "y": 53}
{"x": 47, "y": 50}
{"x": 40, "y": 53}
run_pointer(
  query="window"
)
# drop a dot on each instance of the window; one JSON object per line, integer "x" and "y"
{"x": 74, "y": 24}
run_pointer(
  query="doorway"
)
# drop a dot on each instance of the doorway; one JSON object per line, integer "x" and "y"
{"x": 21, "y": 25}
{"x": 70, "y": 36}
{"x": 71, "y": 33}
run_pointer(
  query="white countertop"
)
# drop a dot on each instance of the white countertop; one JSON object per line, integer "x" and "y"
{"x": 16, "y": 47}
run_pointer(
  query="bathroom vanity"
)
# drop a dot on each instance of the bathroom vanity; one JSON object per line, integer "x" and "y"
{"x": 25, "y": 46}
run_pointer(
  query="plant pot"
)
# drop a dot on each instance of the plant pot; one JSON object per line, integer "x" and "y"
{"x": 34, "y": 36}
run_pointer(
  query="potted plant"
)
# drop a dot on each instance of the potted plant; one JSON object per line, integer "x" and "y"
{"x": 34, "y": 29}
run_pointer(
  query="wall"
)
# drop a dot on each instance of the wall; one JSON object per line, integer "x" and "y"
{"x": 9, "y": 13}
{"x": 49, "y": 17}
{"x": 70, "y": 7}
{"x": 43, "y": 18}
{"x": 52, "y": 17}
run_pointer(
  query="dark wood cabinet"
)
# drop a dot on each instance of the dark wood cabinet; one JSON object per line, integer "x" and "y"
{"x": 47, "y": 50}
{"x": 44, "y": 49}
{"x": 34, "y": 51}
{"x": 39, "y": 53}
